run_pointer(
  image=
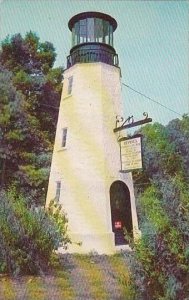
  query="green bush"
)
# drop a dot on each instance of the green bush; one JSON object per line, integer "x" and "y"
{"x": 28, "y": 235}
{"x": 161, "y": 251}
{"x": 162, "y": 191}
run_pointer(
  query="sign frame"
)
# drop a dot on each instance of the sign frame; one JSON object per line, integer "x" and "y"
{"x": 141, "y": 156}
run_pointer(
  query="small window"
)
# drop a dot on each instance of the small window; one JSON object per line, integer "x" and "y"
{"x": 58, "y": 188}
{"x": 64, "y": 136}
{"x": 70, "y": 82}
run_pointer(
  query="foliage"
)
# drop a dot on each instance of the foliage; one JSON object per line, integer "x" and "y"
{"x": 163, "y": 203}
{"x": 28, "y": 235}
{"x": 161, "y": 250}
{"x": 30, "y": 90}
{"x": 27, "y": 54}
{"x": 11, "y": 134}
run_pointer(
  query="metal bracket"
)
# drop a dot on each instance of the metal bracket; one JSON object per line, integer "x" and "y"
{"x": 129, "y": 122}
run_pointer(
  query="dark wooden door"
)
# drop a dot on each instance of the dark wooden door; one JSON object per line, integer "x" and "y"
{"x": 120, "y": 211}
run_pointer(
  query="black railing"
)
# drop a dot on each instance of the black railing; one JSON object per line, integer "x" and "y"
{"x": 92, "y": 55}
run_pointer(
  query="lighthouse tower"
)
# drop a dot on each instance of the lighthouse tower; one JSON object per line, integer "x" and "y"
{"x": 85, "y": 175}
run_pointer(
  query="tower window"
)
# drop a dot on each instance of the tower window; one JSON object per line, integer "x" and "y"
{"x": 83, "y": 30}
{"x": 64, "y": 136}
{"x": 58, "y": 188}
{"x": 70, "y": 83}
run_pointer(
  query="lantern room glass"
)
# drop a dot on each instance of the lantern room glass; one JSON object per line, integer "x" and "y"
{"x": 92, "y": 30}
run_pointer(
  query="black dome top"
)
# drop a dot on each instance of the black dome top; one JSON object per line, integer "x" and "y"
{"x": 92, "y": 14}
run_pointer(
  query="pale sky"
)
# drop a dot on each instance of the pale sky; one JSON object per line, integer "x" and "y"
{"x": 151, "y": 41}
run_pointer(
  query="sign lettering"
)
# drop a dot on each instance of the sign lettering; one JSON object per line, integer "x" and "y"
{"x": 131, "y": 157}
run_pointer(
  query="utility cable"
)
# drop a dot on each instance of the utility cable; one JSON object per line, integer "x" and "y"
{"x": 126, "y": 85}
{"x": 151, "y": 99}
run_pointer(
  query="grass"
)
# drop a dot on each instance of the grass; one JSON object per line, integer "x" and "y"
{"x": 87, "y": 279}
{"x": 62, "y": 282}
{"x": 123, "y": 275}
{"x": 93, "y": 276}
{"x": 7, "y": 290}
{"x": 34, "y": 289}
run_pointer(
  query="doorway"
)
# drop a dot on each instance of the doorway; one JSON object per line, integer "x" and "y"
{"x": 120, "y": 211}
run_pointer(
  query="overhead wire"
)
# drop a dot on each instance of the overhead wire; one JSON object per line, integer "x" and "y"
{"x": 136, "y": 91}
{"x": 149, "y": 98}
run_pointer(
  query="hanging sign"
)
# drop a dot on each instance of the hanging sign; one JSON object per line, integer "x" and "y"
{"x": 131, "y": 156}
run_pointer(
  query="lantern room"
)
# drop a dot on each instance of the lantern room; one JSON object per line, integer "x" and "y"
{"x": 92, "y": 39}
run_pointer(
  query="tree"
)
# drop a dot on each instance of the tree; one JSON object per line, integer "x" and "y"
{"x": 163, "y": 250}
{"x": 36, "y": 85}
{"x": 11, "y": 119}
{"x": 27, "y": 54}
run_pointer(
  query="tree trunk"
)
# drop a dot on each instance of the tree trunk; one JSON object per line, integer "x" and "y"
{"x": 3, "y": 172}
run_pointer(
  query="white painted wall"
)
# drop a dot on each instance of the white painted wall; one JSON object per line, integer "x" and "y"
{"x": 90, "y": 163}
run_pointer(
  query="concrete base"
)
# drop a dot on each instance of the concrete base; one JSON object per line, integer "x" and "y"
{"x": 122, "y": 248}
{"x": 102, "y": 243}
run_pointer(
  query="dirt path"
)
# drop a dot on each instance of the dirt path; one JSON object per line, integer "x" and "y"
{"x": 76, "y": 277}
{"x": 92, "y": 277}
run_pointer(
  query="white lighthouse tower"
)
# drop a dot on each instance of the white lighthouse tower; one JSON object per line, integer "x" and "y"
{"x": 85, "y": 175}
